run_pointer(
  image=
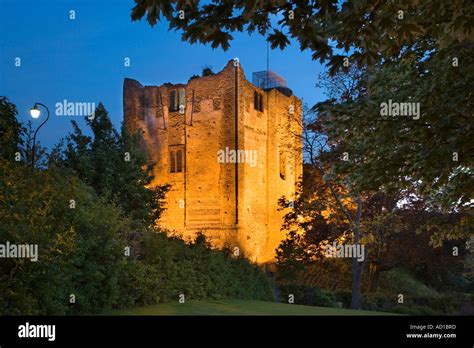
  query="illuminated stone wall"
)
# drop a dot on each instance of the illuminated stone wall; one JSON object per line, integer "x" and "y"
{"x": 203, "y": 195}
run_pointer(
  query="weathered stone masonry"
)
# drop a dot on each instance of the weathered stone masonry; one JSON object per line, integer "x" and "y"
{"x": 232, "y": 210}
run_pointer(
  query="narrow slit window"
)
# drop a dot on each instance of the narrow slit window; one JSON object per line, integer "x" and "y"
{"x": 179, "y": 161}
{"x": 181, "y": 99}
{"x": 282, "y": 164}
{"x": 257, "y": 101}
{"x": 172, "y": 162}
{"x": 173, "y": 106}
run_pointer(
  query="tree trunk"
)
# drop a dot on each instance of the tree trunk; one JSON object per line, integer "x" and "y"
{"x": 357, "y": 266}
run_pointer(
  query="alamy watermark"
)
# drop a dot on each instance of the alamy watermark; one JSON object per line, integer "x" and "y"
{"x": 239, "y": 156}
{"x": 409, "y": 109}
{"x": 67, "y": 108}
{"x": 26, "y": 251}
{"x": 37, "y": 331}
{"x": 346, "y": 251}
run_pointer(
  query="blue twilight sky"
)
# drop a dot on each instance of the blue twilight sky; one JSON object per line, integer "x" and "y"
{"x": 82, "y": 60}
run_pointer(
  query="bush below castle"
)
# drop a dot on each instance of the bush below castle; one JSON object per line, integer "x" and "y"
{"x": 83, "y": 266}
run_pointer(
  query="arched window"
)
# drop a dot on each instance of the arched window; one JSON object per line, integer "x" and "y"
{"x": 176, "y": 159}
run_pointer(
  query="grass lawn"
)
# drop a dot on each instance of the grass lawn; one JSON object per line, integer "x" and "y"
{"x": 237, "y": 307}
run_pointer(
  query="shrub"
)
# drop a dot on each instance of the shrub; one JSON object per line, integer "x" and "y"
{"x": 193, "y": 270}
{"x": 344, "y": 297}
{"x": 381, "y": 302}
{"x": 401, "y": 281}
{"x": 79, "y": 248}
{"x": 414, "y": 305}
{"x": 307, "y": 295}
{"x": 413, "y": 310}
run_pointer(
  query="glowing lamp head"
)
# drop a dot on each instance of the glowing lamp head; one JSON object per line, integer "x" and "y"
{"x": 35, "y": 112}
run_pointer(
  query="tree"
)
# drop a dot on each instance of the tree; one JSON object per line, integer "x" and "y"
{"x": 392, "y": 152}
{"x": 115, "y": 166}
{"x": 79, "y": 239}
{"x": 324, "y": 152}
{"x": 11, "y": 131}
{"x": 324, "y": 210}
{"x": 383, "y": 225}
{"x": 365, "y": 31}
{"x": 314, "y": 220}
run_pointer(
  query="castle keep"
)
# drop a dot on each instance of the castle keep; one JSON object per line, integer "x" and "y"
{"x": 229, "y": 150}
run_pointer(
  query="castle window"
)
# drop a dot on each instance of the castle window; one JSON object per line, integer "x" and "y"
{"x": 176, "y": 160}
{"x": 257, "y": 101}
{"x": 177, "y": 98}
{"x": 181, "y": 99}
{"x": 179, "y": 161}
{"x": 172, "y": 161}
{"x": 173, "y": 106}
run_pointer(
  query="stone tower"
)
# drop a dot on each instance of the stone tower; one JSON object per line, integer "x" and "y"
{"x": 191, "y": 132}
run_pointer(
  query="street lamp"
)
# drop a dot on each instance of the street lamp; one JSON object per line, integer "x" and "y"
{"x": 35, "y": 113}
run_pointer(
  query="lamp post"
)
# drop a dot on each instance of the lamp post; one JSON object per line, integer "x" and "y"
{"x": 35, "y": 113}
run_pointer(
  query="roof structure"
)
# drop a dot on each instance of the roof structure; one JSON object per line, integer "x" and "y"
{"x": 267, "y": 79}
